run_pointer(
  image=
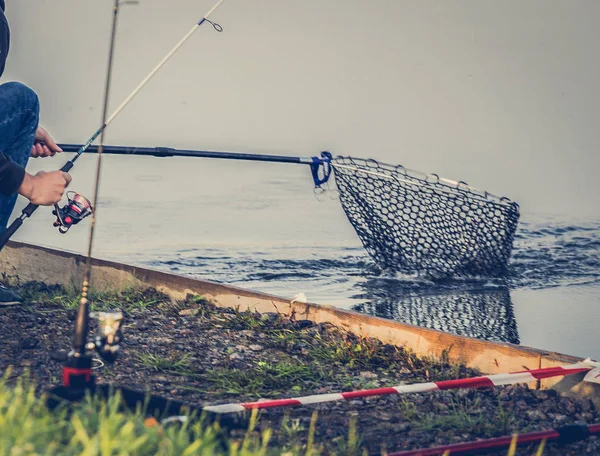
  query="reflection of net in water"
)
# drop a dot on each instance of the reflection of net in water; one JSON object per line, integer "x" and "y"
{"x": 410, "y": 222}
{"x": 482, "y": 314}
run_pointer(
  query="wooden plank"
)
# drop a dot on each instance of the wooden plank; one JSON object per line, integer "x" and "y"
{"x": 27, "y": 262}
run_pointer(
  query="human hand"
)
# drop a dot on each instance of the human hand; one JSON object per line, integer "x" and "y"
{"x": 44, "y": 145}
{"x": 45, "y": 189}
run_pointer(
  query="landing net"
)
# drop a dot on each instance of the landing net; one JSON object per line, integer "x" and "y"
{"x": 415, "y": 223}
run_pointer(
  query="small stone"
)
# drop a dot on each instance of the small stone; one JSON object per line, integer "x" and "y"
{"x": 560, "y": 419}
{"x": 162, "y": 340}
{"x": 504, "y": 396}
{"x": 59, "y": 355}
{"x": 255, "y": 347}
{"x": 521, "y": 404}
{"x": 396, "y": 419}
{"x": 536, "y": 415}
{"x": 235, "y": 356}
{"x": 241, "y": 348}
{"x": 551, "y": 393}
{"x": 188, "y": 312}
{"x": 29, "y": 343}
{"x": 367, "y": 374}
{"x": 383, "y": 416}
{"x": 26, "y": 363}
{"x": 586, "y": 405}
{"x": 440, "y": 406}
{"x": 303, "y": 324}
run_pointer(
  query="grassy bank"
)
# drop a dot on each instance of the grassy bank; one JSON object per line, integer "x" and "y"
{"x": 194, "y": 352}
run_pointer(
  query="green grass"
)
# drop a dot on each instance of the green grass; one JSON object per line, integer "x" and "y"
{"x": 95, "y": 427}
{"x": 198, "y": 305}
{"x": 102, "y": 428}
{"x": 360, "y": 353}
{"x": 462, "y": 416}
{"x": 180, "y": 364}
{"x": 264, "y": 378}
{"x": 128, "y": 299}
{"x": 246, "y": 320}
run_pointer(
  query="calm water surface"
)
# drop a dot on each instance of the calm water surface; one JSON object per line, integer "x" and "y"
{"x": 262, "y": 228}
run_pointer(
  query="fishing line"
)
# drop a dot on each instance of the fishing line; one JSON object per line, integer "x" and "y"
{"x": 81, "y": 328}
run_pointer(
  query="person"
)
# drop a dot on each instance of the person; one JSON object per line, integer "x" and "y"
{"x": 21, "y": 137}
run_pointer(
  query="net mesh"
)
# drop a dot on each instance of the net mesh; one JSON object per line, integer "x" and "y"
{"x": 486, "y": 314}
{"x": 411, "y": 222}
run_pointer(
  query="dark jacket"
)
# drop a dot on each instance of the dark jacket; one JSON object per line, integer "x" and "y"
{"x": 11, "y": 174}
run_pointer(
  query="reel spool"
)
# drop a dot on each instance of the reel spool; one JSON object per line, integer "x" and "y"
{"x": 77, "y": 208}
{"x": 108, "y": 336}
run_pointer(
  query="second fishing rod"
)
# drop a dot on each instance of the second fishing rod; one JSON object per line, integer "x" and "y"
{"x": 31, "y": 208}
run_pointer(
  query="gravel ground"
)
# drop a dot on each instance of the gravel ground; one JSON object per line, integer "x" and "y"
{"x": 195, "y": 352}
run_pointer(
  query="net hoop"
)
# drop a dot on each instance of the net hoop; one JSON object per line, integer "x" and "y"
{"x": 409, "y": 221}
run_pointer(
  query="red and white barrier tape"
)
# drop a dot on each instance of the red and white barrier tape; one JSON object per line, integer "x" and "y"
{"x": 475, "y": 382}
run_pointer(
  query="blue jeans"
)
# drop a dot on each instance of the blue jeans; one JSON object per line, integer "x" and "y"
{"x": 19, "y": 117}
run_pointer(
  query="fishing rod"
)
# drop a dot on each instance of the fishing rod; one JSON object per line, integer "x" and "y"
{"x": 320, "y": 167}
{"x": 31, "y": 208}
{"x": 77, "y": 376}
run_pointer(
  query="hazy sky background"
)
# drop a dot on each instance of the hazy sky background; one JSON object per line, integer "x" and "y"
{"x": 503, "y": 95}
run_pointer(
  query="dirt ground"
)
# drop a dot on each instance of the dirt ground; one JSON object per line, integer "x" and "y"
{"x": 195, "y": 352}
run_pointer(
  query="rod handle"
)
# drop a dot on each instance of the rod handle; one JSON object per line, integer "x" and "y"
{"x": 67, "y": 167}
{"x": 14, "y": 226}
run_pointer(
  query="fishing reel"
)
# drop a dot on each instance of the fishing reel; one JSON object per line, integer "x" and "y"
{"x": 108, "y": 335}
{"x": 77, "y": 208}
